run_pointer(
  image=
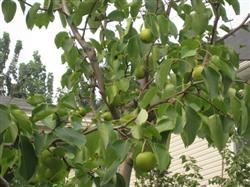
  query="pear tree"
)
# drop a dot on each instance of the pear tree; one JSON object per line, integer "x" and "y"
{"x": 140, "y": 77}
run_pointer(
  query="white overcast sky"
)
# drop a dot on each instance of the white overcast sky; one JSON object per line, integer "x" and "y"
{"x": 43, "y": 39}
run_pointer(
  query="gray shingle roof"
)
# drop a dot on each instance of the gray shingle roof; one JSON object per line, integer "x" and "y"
{"x": 21, "y": 103}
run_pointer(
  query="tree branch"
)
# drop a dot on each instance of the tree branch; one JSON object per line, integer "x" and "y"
{"x": 216, "y": 7}
{"x": 87, "y": 19}
{"x": 168, "y": 99}
{"x": 234, "y": 30}
{"x": 91, "y": 54}
{"x": 3, "y": 182}
{"x": 168, "y": 11}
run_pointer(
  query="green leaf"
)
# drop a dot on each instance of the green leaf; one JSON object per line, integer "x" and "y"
{"x": 153, "y": 6}
{"x": 235, "y": 107}
{"x": 43, "y": 19}
{"x": 122, "y": 148}
{"x": 188, "y": 53}
{"x": 137, "y": 132}
{"x": 22, "y": 5}
{"x": 135, "y": 7}
{"x": 148, "y": 96}
{"x": 198, "y": 5}
{"x": 8, "y": 9}
{"x": 142, "y": 117}
{"x": 165, "y": 124}
{"x": 32, "y": 15}
{"x": 162, "y": 73}
{"x": 180, "y": 122}
{"x": 105, "y": 130}
{"x": 247, "y": 95}
{"x": 199, "y": 22}
{"x": 60, "y": 39}
{"x": 162, "y": 156}
{"x": 116, "y": 15}
{"x": 69, "y": 101}
{"x": 134, "y": 48}
{"x": 244, "y": 118}
{"x": 5, "y": 118}
{"x": 218, "y": 135}
{"x": 94, "y": 23}
{"x": 212, "y": 81}
{"x": 29, "y": 159}
{"x": 90, "y": 138}
{"x": 71, "y": 136}
{"x": 68, "y": 44}
{"x": 123, "y": 84}
{"x": 22, "y": 120}
{"x": 235, "y": 5}
{"x": 109, "y": 173}
{"x": 111, "y": 91}
{"x": 11, "y": 133}
{"x": 173, "y": 29}
{"x": 193, "y": 122}
{"x": 42, "y": 111}
{"x": 36, "y": 99}
{"x": 225, "y": 28}
{"x": 62, "y": 19}
{"x": 149, "y": 131}
{"x": 163, "y": 28}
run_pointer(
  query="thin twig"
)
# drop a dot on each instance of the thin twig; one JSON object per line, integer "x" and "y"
{"x": 87, "y": 19}
{"x": 214, "y": 106}
{"x": 216, "y": 7}
{"x": 168, "y": 11}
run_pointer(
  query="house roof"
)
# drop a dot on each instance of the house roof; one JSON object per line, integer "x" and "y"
{"x": 240, "y": 42}
{"x": 16, "y": 101}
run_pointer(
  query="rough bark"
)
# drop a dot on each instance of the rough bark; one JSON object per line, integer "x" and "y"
{"x": 125, "y": 169}
{"x": 3, "y": 182}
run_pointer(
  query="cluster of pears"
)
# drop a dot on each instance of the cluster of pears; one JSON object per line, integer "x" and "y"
{"x": 146, "y": 37}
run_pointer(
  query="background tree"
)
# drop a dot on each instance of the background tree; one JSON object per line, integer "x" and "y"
{"x": 153, "y": 80}
{"x": 24, "y": 79}
{"x": 33, "y": 79}
{"x": 11, "y": 76}
{"x": 4, "y": 53}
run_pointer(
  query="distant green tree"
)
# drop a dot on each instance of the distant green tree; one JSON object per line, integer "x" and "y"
{"x": 4, "y": 53}
{"x": 34, "y": 79}
{"x": 12, "y": 70}
{"x": 27, "y": 78}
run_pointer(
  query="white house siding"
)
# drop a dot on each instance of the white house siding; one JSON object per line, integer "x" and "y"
{"x": 207, "y": 158}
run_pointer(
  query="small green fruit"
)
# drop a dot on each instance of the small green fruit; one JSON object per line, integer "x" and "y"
{"x": 81, "y": 111}
{"x": 145, "y": 161}
{"x": 196, "y": 74}
{"x": 107, "y": 116}
{"x": 146, "y": 36}
{"x": 140, "y": 72}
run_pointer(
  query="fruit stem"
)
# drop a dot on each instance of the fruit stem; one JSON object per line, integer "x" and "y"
{"x": 143, "y": 146}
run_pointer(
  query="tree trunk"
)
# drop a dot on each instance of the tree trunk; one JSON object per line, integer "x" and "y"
{"x": 3, "y": 182}
{"x": 125, "y": 169}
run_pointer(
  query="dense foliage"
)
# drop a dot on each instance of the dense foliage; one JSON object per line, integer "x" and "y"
{"x": 137, "y": 88}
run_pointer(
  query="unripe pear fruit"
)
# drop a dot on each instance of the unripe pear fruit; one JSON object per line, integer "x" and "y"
{"x": 197, "y": 71}
{"x": 146, "y": 36}
{"x": 145, "y": 161}
{"x": 140, "y": 72}
{"x": 107, "y": 116}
